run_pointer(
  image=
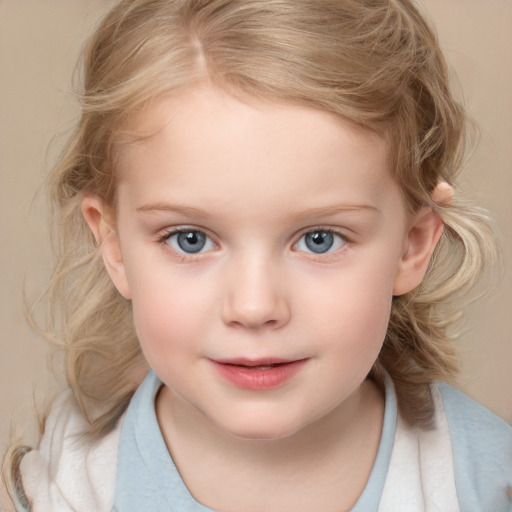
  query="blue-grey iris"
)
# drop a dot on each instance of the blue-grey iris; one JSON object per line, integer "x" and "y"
{"x": 191, "y": 241}
{"x": 319, "y": 241}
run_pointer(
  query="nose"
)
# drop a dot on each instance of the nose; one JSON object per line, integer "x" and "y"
{"x": 256, "y": 296}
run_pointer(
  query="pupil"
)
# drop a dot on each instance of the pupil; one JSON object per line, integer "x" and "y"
{"x": 319, "y": 241}
{"x": 191, "y": 241}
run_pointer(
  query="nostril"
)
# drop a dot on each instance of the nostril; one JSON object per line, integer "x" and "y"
{"x": 250, "y": 323}
{"x": 256, "y": 311}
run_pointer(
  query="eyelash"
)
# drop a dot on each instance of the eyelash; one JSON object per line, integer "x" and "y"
{"x": 191, "y": 257}
{"x": 322, "y": 229}
{"x": 182, "y": 256}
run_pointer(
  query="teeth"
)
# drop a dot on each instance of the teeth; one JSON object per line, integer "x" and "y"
{"x": 268, "y": 367}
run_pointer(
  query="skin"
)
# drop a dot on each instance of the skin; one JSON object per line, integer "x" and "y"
{"x": 257, "y": 177}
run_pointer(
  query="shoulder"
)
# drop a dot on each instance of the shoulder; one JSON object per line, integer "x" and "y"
{"x": 69, "y": 471}
{"x": 482, "y": 452}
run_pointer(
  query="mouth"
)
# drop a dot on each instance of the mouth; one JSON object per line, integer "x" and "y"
{"x": 258, "y": 374}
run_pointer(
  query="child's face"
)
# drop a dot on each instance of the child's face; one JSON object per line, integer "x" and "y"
{"x": 257, "y": 234}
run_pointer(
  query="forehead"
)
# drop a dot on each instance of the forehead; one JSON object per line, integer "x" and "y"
{"x": 208, "y": 139}
{"x": 197, "y": 103}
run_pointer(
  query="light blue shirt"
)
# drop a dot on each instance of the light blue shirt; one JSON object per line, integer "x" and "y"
{"x": 147, "y": 478}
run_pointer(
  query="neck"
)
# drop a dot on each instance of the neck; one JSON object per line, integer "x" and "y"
{"x": 324, "y": 463}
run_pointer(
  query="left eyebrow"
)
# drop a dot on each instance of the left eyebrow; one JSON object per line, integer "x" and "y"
{"x": 330, "y": 211}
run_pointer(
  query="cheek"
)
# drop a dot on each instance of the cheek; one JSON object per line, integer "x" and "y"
{"x": 164, "y": 332}
{"x": 352, "y": 311}
{"x": 371, "y": 296}
{"x": 162, "y": 310}
{"x": 173, "y": 309}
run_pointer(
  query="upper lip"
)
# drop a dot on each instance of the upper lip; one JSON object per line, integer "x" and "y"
{"x": 265, "y": 361}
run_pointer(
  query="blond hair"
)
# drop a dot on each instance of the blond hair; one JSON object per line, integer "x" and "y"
{"x": 376, "y": 63}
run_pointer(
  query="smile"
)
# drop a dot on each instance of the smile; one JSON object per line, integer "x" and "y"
{"x": 258, "y": 374}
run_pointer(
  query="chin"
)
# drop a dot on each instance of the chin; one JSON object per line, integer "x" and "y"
{"x": 260, "y": 431}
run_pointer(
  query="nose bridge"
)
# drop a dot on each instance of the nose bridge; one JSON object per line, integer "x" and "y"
{"x": 256, "y": 293}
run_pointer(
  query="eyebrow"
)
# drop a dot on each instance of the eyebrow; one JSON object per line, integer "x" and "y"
{"x": 178, "y": 209}
{"x": 329, "y": 211}
{"x": 190, "y": 211}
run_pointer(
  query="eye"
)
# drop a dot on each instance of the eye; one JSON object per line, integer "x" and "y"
{"x": 320, "y": 241}
{"x": 189, "y": 241}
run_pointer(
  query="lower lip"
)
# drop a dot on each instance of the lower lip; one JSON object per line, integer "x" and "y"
{"x": 253, "y": 378}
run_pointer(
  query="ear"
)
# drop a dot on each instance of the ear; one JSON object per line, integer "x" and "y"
{"x": 101, "y": 220}
{"x": 423, "y": 234}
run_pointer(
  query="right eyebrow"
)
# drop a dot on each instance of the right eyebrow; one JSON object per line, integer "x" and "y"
{"x": 178, "y": 209}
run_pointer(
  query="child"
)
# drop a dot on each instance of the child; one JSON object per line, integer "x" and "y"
{"x": 259, "y": 242}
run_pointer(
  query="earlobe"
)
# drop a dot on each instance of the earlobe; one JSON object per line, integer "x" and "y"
{"x": 422, "y": 238}
{"x": 101, "y": 220}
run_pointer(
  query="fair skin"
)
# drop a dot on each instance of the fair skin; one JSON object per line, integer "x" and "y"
{"x": 264, "y": 313}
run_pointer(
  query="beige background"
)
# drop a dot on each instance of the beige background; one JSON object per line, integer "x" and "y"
{"x": 39, "y": 42}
